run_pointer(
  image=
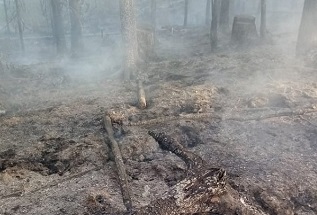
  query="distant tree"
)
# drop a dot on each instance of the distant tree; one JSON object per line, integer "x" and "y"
{"x": 19, "y": 21}
{"x": 6, "y": 16}
{"x": 153, "y": 13}
{"x": 263, "y": 19}
{"x": 307, "y": 30}
{"x": 129, "y": 36}
{"x": 208, "y": 9}
{"x": 214, "y": 24}
{"x": 76, "y": 26}
{"x": 224, "y": 15}
{"x": 186, "y": 13}
{"x": 153, "y": 17}
{"x": 58, "y": 26}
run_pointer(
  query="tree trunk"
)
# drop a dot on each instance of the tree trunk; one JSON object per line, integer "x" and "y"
{"x": 129, "y": 35}
{"x": 76, "y": 26}
{"x": 307, "y": 30}
{"x": 58, "y": 27}
{"x": 224, "y": 15}
{"x": 153, "y": 17}
{"x": 185, "y": 13}
{"x": 19, "y": 20}
{"x": 214, "y": 24}
{"x": 263, "y": 19}
{"x": 7, "y": 17}
{"x": 208, "y": 9}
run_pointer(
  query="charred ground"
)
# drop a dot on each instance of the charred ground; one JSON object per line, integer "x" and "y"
{"x": 251, "y": 111}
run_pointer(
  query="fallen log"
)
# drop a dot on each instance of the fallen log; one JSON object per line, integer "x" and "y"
{"x": 123, "y": 179}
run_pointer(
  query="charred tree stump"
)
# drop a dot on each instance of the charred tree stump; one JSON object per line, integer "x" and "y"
{"x": 123, "y": 178}
{"x": 243, "y": 29}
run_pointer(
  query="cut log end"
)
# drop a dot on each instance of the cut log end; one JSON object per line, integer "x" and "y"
{"x": 141, "y": 96}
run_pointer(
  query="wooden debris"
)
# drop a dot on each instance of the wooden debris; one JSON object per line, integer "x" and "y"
{"x": 204, "y": 190}
{"x": 123, "y": 178}
{"x": 169, "y": 144}
{"x": 141, "y": 95}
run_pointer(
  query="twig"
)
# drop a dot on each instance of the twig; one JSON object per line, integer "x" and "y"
{"x": 123, "y": 179}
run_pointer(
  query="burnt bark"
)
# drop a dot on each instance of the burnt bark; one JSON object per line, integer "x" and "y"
{"x": 129, "y": 35}
{"x": 307, "y": 30}
{"x": 186, "y": 13}
{"x": 76, "y": 26}
{"x": 19, "y": 21}
{"x": 263, "y": 19}
{"x": 58, "y": 26}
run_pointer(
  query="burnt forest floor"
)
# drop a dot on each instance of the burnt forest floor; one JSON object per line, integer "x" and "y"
{"x": 251, "y": 111}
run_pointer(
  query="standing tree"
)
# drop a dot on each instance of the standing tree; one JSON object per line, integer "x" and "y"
{"x": 153, "y": 17}
{"x": 19, "y": 20}
{"x": 6, "y": 16}
{"x": 76, "y": 26}
{"x": 224, "y": 15}
{"x": 307, "y": 30}
{"x": 214, "y": 24}
{"x": 208, "y": 8}
{"x": 185, "y": 13}
{"x": 263, "y": 19}
{"x": 129, "y": 36}
{"x": 58, "y": 27}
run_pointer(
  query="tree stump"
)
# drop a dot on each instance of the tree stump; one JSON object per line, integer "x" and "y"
{"x": 243, "y": 29}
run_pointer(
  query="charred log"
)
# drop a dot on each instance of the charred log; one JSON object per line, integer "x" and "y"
{"x": 123, "y": 178}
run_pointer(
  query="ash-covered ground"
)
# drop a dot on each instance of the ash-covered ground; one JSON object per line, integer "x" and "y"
{"x": 250, "y": 110}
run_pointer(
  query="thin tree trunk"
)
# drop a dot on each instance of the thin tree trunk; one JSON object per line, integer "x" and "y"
{"x": 76, "y": 26}
{"x": 7, "y": 17}
{"x": 208, "y": 9}
{"x": 153, "y": 18}
{"x": 214, "y": 24}
{"x": 19, "y": 20}
{"x": 263, "y": 19}
{"x": 58, "y": 27}
{"x": 307, "y": 30}
{"x": 153, "y": 13}
{"x": 129, "y": 35}
{"x": 185, "y": 13}
{"x": 224, "y": 15}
